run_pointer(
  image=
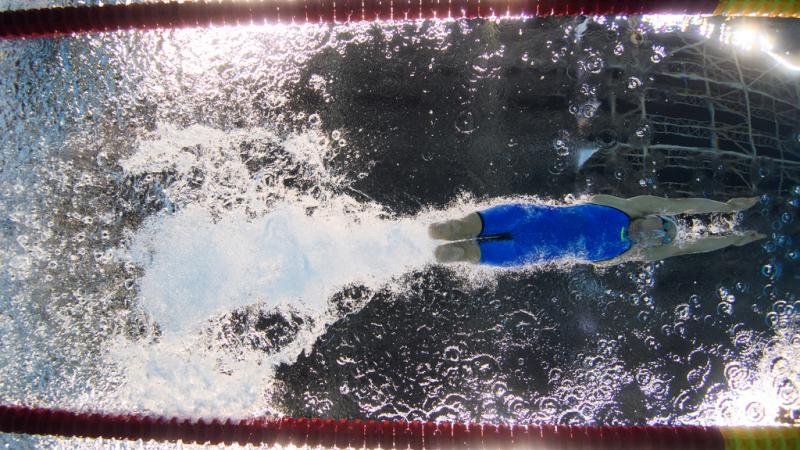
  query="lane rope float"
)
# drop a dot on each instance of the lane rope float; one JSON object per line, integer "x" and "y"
{"x": 49, "y": 22}
{"x": 330, "y": 433}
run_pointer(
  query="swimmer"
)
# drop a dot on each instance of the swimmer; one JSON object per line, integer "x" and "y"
{"x": 606, "y": 230}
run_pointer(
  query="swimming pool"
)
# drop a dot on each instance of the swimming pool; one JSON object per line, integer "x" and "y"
{"x": 231, "y": 221}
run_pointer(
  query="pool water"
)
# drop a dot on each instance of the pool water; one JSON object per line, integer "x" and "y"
{"x": 232, "y": 221}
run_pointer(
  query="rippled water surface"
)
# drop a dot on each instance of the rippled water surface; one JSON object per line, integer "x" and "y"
{"x": 231, "y": 221}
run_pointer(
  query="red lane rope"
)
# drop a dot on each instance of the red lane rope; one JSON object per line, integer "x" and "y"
{"x": 352, "y": 433}
{"x": 83, "y": 19}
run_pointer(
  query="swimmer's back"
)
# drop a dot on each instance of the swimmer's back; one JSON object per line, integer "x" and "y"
{"x": 537, "y": 233}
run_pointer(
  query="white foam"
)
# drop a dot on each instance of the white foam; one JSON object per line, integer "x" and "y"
{"x": 175, "y": 376}
{"x": 196, "y": 267}
{"x": 208, "y": 258}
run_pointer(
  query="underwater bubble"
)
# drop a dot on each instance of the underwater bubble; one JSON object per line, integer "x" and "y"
{"x": 788, "y": 393}
{"x": 682, "y": 401}
{"x": 796, "y": 189}
{"x": 588, "y": 90}
{"x": 793, "y": 255}
{"x": 465, "y": 122}
{"x": 336, "y": 135}
{"x": 737, "y": 375}
{"x": 606, "y": 139}
{"x": 572, "y": 417}
{"x": 651, "y": 342}
{"x": 794, "y": 203}
{"x": 768, "y": 247}
{"x": 781, "y": 307}
{"x": 643, "y": 377}
{"x": 658, "y": 54}
{"x": 682, "y": 311}
{"x": 562, "y": 143}
{"x": 452, "y": 353}
{"x": 634, "y": 83}
{"x": 743, "y": 338}
{"x": 573, "y": 109}
{"x": 593, "y": 64}
{"x": 557, "y": 52}
{"x": 772, "y": 269}
{"x": 619, "y": 49}
{"x": 769, "y": 290}
{"x": 755, "y": 411}
{"x": 643, "y": 131}
{"x": 549, "y": 406}
{"x": 314, "y": 120}
{"x": 557, "y": 167}
{"x": 772, "y": 319}
{"x": 724, "y": 309}
{"x": 589, "y": 109}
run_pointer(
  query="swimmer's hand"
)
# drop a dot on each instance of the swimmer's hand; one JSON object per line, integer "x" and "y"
{"x": 742, "y": 203}
{"x": 748, "y": 237}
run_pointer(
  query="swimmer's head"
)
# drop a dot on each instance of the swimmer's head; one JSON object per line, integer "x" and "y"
{"x": 652, "y": 231}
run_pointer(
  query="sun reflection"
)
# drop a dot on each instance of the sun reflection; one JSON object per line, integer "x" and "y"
{"x": 750, "y": 38}
{"x": 742, "y": 36}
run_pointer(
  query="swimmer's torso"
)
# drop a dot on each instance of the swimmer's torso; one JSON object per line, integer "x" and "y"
{"x": 530, "y": 233}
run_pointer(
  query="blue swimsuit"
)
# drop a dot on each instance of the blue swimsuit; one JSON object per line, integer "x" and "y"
{"x": 519, "y": 234}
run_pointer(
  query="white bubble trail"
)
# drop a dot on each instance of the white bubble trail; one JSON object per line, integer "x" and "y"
{"x": 196, "y": 267}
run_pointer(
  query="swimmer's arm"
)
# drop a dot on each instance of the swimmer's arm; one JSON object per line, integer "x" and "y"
{"x": 704, "y": 245}
{"x": 630, "y": 255}
{"x": 645, "y": 205}
{"x": 613, "y": 261}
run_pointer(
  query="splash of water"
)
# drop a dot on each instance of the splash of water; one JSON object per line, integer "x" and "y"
{"x": 236, "y": 231}
{"x": 196, "y": 267}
